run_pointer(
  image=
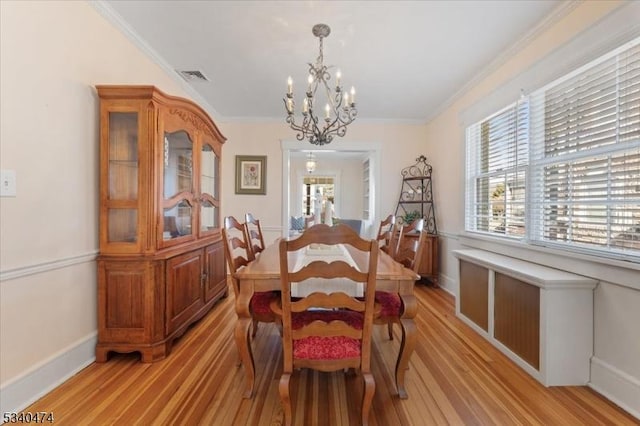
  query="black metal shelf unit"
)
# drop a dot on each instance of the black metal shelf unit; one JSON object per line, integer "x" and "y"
{"x": 416, "y": 196}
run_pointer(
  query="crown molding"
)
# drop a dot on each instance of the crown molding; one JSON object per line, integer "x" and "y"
{"x": 558, "y": 13}
{"x": 107, "y": 12}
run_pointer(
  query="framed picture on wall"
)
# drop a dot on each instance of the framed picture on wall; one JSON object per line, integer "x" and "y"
{"x": 251, "y": 174}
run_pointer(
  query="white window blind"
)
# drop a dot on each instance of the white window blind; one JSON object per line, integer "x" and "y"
{"x": 585, "y": 158}
{"x": 497, "y": 157}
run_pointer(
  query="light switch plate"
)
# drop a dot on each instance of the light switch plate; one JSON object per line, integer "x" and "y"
{"x": 7, "y": 183}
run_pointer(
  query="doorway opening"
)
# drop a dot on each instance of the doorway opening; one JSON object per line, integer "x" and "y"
{"x": 355, "y": 185}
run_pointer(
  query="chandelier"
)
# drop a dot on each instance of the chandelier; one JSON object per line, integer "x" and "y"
{"x": 339, "y": 110}
{"x": 311, "y": 163}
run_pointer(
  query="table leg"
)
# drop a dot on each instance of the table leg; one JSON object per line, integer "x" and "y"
{"x": 243, "y": 343}
{"x": 408, "y": 343}
{"x": 407, "y": 346}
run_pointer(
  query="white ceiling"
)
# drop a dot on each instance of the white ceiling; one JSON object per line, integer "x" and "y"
{"x": 407, "y": 59}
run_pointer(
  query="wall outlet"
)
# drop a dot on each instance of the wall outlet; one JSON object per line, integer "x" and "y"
{"x": 7, "y": 183}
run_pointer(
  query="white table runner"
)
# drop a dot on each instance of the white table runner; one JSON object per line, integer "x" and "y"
{"x": 327, "y": 254}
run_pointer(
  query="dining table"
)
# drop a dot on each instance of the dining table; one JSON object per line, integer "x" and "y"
{"x": 263, "y": 274}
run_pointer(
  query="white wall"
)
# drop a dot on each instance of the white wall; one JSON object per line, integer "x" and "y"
{"x": 587, "y": 30}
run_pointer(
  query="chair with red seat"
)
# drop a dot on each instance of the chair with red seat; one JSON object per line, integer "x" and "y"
{"x": 238, "y": 254}
{"x": 327, "y": 331}
{"x": 409, "y": 254}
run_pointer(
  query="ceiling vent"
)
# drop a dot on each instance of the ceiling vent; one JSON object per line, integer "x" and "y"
{"x": 193, "y": 76}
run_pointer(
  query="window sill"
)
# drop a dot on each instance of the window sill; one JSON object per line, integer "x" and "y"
{"x": 624, "y": 273}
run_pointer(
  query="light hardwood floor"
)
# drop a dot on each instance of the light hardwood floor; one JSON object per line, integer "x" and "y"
{"x": 455, "y": 377}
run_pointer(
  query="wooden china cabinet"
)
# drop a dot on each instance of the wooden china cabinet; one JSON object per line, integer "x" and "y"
{"x": 161, "y": 264}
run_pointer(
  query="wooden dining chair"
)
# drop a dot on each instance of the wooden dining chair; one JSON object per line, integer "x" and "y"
{"x": 328, "y": 332}
{"x": 409, "y": 254}
{"x": 254, "y": 232}
{"x": 237, "y": 251}
{"x": 385, "y": 231}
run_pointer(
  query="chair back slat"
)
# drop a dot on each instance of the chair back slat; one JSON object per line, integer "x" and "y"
{"x": 320, "y": 269}
{"x": 386, "y": 230}
{"x": 410, "y": 248}
{"x": 335, "y": 300}
{"x": 333, "y": 328}
{"x": 324, "y": 234}
{"x": 254, "y": 234}
{"x": 236, "y": 248}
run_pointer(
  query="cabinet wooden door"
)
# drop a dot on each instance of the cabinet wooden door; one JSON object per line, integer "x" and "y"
{"x": 215, "y": 284}
{"x": 127, "y": 320}
{"x": 184, "y": 288}
{"x": 122, "y": 287}
{"x": 209, "y": 186}
{"x": 177, "y": 219}
{"x": 429, "y": 264}
{"x": 430, "y": 259}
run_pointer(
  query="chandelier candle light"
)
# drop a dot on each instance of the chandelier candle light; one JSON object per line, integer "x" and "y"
{"x": 339, "y": 111}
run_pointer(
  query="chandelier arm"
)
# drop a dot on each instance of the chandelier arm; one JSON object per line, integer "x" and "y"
{"x": 329, "y": 128}
{"x": 312, "y": 119}
{"x": 300, "y": 131}
{"x": 328, "y": 93}
{"x": 347, "y": 116}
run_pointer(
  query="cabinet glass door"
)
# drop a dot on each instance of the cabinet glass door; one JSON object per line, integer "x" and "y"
{"x": 209, "y": 189}
{"x": 122, "y": 219}
{"x": 178, "y": 185}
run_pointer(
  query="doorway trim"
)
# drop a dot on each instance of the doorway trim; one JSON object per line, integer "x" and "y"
{"x": 372, "y": 148}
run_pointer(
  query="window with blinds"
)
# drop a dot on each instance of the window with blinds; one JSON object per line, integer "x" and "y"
{"x": 585, "y": 157}
{"x": 497, "y": 158}
{"x": 562, "y": 167}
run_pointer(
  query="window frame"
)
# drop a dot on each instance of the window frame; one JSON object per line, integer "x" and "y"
{"x": 535, "y": 166}
{"x": 507, "y": 129}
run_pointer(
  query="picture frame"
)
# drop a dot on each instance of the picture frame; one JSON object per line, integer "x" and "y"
{"x": 251, "y": 174}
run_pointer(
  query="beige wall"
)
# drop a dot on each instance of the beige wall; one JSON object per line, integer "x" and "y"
{"x": 53, "y": 53}
{"x": 400, "y": 145}
{"x": 615, "y": 369}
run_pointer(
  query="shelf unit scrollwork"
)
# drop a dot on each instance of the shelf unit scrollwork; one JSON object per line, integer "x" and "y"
{"x": 416, "y": 195}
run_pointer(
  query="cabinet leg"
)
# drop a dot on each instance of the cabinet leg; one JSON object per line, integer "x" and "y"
{"x": 156, "y": 353}
{"x": 102, "y": 354}
{"x": 147, "y": 354}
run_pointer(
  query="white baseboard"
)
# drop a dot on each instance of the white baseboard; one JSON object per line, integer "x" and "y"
{"x": 22, "y": 391}
{"x": 447, "y": 284}
{"x": 619, "y": 387}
